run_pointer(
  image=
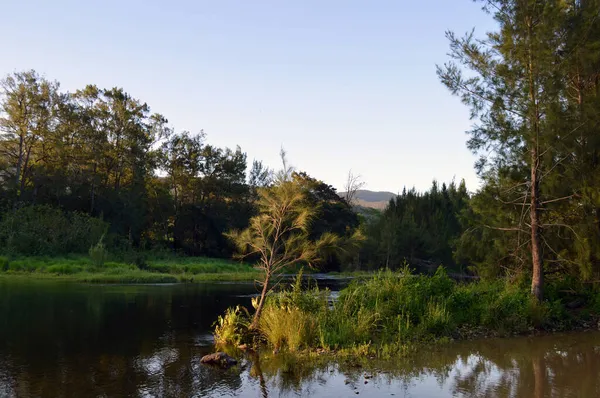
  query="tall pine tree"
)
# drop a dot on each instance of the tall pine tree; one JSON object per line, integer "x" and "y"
{"x": 518, "y": 83}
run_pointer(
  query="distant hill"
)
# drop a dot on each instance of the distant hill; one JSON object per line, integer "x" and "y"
{"x": 372, "y": 199}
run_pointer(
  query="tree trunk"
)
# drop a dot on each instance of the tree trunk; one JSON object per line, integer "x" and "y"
{"x": 261, "y": 303}
{"x": 539, "y": 376}
{"x": 537, "y": 280}
{"x": 19, "y": 167}
{"x": 256, "y": 371}
{"x": 25, "y": 169}
{"x": 93, "y": 190}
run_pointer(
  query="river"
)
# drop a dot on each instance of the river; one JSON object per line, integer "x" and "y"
{"x": 78, "y": 340}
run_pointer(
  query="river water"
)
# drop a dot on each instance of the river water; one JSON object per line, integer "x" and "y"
{"x": 78, "y": 340}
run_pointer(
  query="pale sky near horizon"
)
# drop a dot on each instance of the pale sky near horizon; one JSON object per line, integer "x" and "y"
{"x": 339, "y": 84}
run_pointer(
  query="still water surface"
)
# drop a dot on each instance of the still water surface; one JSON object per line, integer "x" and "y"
{"x": 77, "y": 340}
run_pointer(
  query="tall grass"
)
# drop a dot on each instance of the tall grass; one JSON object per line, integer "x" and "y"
{"x": 105, "y": 267}
{"x": 231, "y": 327}
{"x": 392, "y": 310}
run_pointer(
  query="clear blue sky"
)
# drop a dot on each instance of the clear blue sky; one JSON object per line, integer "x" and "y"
{"x": 340, "y": 84}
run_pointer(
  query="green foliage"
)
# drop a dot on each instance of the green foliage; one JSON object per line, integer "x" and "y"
{"x": 64, "y": 269}
{"x": 532, "y": 88}
{"x": 231, "y": 327}
{"x": 44, "y": 230}
{"x": 417, "y": 227}
{"x": 339, "y": 327}
{"x": 3, "y": 263}
{"x": 166, "y": 269}
{"x": 436, "y": 319}
{"x": 392, "y": 310}
{"x": 125, "y": 275}
{"x": 287, "y": 326}
{"x": 196, "y": 265}
{"x": 280, "y": 235}
{"x": 334, "y": 215}
{"x": 120, "y": 146}
{"x": 98, "y": 253}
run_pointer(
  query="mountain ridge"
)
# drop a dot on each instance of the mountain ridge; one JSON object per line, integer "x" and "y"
{"x": 372, "y": 199}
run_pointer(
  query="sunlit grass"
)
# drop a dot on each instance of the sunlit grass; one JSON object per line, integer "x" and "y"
{"x": 390, "y": 312}
{"x": 166, "y": 269}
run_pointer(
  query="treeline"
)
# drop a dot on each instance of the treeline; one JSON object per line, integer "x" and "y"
{"x": 98, "y": 164}
{"x": 102, "y": 153}
{"x": 420, "y": 229}
{"x": 533, "y": 88}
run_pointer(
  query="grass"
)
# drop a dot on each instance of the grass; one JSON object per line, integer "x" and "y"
{"x": 391, "y": 312}
{"x": 135, "y": 269}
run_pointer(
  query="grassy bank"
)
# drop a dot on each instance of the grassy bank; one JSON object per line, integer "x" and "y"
{"x": 392, "y": 312}
{"x": 166, "y": 269}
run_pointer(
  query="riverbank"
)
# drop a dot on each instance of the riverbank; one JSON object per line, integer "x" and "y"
{"x": 391, "y": 313}
{"x": 102, "y": 335}
{"x": 172, "y": 269}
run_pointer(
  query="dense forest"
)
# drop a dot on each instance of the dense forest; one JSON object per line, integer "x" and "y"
{"x": 77, "y": 167}
{"x": 97, "y": 164}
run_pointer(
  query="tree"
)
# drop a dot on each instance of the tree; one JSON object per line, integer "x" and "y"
{"x": 513, "y": 88}
{"x": 27, "y": 120}
{"x": 333, "y": 214}
{"x": 420, "y": 228}
{"x": 260, "y": 175}
{"x": 353, "y": 184}
{"x": 280, "y": 234}
{"x": 209, "y": 190}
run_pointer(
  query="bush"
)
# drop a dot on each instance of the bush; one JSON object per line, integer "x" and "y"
{"x": 4, "y": 263}
{"x": 98, "y": 253}
{"x": 44, "y": 230}
{"x": 22, "y": 266}
{"x": 290, "y": 327}
{"x": 393, "y": 309}
{"x": 64, "y": 269}
{"x": 337, "y": 329}
{"x": 231, "y": 328}
{"x": 436, "y": 320}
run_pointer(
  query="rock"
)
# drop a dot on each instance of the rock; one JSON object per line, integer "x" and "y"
{"x": 219, "y": 359}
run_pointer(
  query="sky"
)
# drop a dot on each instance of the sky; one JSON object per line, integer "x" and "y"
{"x": 340, "y": 84}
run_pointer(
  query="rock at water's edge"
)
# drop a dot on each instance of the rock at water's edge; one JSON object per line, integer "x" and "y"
{"x": 218, "y": 358}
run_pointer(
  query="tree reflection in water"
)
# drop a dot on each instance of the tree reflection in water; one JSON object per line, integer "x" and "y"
{"x": 84, "y": 341}
{"x": 549, "y": 366}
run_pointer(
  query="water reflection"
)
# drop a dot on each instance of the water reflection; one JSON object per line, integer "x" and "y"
{"x": 566, "y": 365}
{"x": 146, "y": 341}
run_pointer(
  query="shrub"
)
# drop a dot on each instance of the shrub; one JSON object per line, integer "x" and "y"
{"x": 98, "y": 253}
{"x": 285, "y": 326}
{"x": 44, "y": 230}
{"x": 232, "y": 327}
{"x": 64, "y": 269}
{"x": 337, "y": 329}
{"x": 393, "y": 309}
{"x": 4, "y": 263}
{"x": 436, "y": 319}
